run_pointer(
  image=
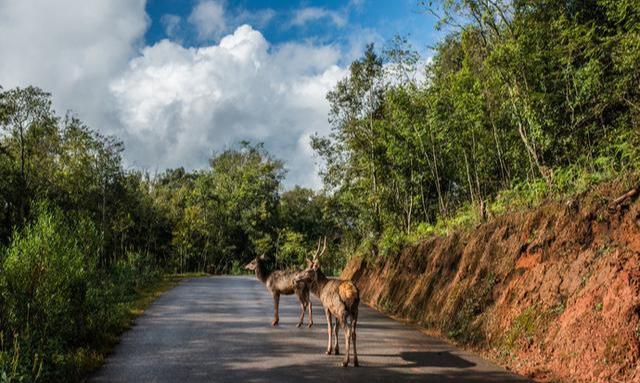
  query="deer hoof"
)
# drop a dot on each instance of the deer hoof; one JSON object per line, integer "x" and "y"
{"x": 274, "y": 323}
{"x": 328, "y": 352}
{"x": 356, "y": 364}
{"x": 344, "y": 364}
{"x": 336, "y": 352}
{"x": 299, "y": 324}
{"x": 310, "y": 324}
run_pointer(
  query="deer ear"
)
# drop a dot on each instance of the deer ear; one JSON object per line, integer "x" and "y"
{"x": 263, "y": 257}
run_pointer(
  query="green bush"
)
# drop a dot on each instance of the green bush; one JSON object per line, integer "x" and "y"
{"x": 111, "y": 291}
{"x": 237, "y": 268}
{"x": 44, "y": 288}
{"x": 134, "y": 272}
{"x": 57, "y": 303}
{"x": 391, "y": 242}
{"x": 293, "y": 250}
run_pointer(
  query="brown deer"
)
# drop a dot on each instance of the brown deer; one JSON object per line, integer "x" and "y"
{"x": 340, "y": 299}
{"x": 282, "y": 282}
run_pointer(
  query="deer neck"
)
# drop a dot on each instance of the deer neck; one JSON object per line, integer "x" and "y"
{"x": 320, "y": 283}
{"x": 261, "y": 272}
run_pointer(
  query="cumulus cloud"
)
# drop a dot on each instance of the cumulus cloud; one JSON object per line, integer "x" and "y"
{"x": 305, "y": 15}
{"x": 171, "y": 105}
{"x": 179, "y": 105}
{"x": 209, "y": 20}
{"x": 72, "y": 54}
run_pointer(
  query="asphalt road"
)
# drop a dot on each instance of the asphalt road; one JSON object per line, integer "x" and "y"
{"x": 218, "y": 329}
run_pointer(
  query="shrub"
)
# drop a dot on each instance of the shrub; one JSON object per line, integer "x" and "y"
{"x": 392, "y": 241}
{"x": 44, "y": 291}
{"x": 293, "y": 250}
{"x": 57, "y": 304}
{"x": 110, "y": 291}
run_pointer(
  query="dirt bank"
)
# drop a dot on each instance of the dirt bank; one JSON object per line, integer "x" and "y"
{"x": 553, "y": 293}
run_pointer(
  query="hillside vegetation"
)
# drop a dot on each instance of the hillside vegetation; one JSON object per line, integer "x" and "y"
{"x": 552, "y": 293}
{"x": 522, "y": 101}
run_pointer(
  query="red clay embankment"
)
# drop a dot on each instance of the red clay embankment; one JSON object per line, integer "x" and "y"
{"x": 552, "y": 293}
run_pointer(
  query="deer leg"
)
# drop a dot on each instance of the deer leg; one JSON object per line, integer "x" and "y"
{"x": 329, "y": 320}
{"x": 276, "y": 303}
{"x": 310, "y": 311}
{"x": 303, "y": 306}
{"x": 353, "y": 334}
{"x": 336, "y": 348}
{"x": 347, "y": 340}
{"x": 354, "y": 322}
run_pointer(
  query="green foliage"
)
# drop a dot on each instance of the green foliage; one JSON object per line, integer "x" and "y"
{"x": 82, "y": 237}
{"x": 236, "y": 268}
{"x": 522, "y": 101}
{"x": 46, "y": 274}
{"x": 422, "y": 231}
{"x": 56, "y": 299}
{"x": 293, "y": 250}
{"x": 391, "y": 242}
{"x": 223, "y": 214}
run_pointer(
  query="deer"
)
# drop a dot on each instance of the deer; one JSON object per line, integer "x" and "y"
{"x": 340, "y": 299}
{"x": 282, "y": 282}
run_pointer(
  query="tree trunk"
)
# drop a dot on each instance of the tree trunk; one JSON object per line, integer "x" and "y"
{"x": 466, "y": 163}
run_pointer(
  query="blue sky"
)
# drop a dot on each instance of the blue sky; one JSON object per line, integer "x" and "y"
{"x": 382, "y": 19}
{"x": 178, "y": 81}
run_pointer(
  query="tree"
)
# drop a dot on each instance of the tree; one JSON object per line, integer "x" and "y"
{"x": 26, "y": 115}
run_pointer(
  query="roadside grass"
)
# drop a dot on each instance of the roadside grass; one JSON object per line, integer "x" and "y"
{"x": 88, "y": 361}
{"x": 147, "y": 295}
{"x": 22, "y": 364}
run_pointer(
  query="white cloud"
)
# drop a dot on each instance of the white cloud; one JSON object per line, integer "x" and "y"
{"x": 172, "y": 106}
{"x": 358, "y": 39}
{"x": 178, "y": 105}
{"x": 171, "y": 24}
{"x": 208, "y": 17}
{"x": 303, "y": 16}
{"x": 71, "y": 48}
{"x": 258, "y": 19}
{"x": 209, "y": 20}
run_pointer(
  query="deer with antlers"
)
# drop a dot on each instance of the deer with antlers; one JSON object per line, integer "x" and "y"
{"x": 282, "y": 282}
{"x": 340, "y": 299}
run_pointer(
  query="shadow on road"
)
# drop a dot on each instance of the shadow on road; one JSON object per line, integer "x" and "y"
{"x": 427, "y": 359}
{"x": 218, "y": 330}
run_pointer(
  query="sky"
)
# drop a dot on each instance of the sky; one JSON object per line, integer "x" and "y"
{"x": 178, "y": 81}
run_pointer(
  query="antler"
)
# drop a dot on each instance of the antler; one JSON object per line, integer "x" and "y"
{"x": 315, "y": 256}
{"x": 318, "y": 252}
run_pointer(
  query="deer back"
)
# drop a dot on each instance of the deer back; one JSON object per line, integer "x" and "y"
{"x": 283, "y": 282}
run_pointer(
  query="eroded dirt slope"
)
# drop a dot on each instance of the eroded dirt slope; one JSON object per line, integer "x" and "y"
{"x": 553, "y": 293}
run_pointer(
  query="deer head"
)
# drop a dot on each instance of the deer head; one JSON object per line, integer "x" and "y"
{"x": 254, "y": 264}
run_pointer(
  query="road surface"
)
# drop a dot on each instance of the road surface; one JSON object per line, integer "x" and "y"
{"x": 218, "y": 329}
